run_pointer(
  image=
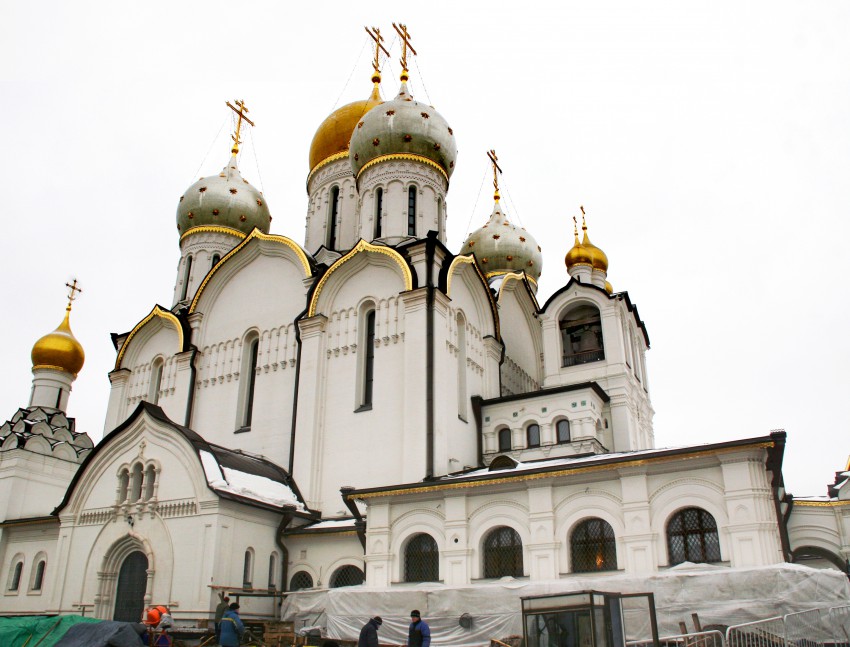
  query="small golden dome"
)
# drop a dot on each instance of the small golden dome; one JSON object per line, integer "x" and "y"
{"x": 608, "y": 287}
{"x": 577, "y": 255}
{"x": 598, "y": 258}
{"x": 334, "y": 133}
{"x": 59, "y": 349}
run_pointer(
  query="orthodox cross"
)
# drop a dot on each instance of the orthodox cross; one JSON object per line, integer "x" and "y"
{"x": 375, "y": 34}
{"x": 402, "y": 32}
{"x": 496, "y": 170}
{"x": 241, "y": 112}
{"x": 72, "y": 290}
{"x": 583, "y": 219}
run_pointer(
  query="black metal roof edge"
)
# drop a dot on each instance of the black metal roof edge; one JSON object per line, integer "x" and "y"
{"x": 28, "y": 520}
{"x": 306, "y": 530}
{"x": 550, "y": 391}
{"x": 603, "y": 460}
{"x": 615, "y": 295}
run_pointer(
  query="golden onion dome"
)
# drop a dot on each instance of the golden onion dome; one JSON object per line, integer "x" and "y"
{"x": 334, "y": 133}
{"x": 59, "y": 350}
{"x": 577, "y": 255}
{"x": 608, "y": 287}
{"x": 598, "y": 258}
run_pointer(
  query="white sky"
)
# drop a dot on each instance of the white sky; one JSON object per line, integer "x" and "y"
{"x": 708, "y": 141}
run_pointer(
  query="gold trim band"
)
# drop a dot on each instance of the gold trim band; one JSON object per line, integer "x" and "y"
{"x": 325, "y": 162}
{"x": 213, "y": 229}
{"x": 469, "y": 259}
{"x": 361, "y": 246}
{"x": 256, "y": 233}
{"x": 51, "y": 367}
{"x": 403, "y": 156}
{"x": 819, "y": 504}
{"x": 156, "y": 312}
{"x": 554, "y": 474}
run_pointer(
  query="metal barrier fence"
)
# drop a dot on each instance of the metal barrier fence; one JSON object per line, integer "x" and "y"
{"x": 839, "y": 618}
{"x": 813, "y": 628}
{"x": 698, "y": 639}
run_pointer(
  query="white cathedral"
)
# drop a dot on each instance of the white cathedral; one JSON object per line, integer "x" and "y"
{"x": 371, "y": 408}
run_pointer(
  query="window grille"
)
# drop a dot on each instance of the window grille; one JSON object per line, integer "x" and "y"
{"x": 504, "y": 440}
{"x": 563, "y": 430}
{"x": 347, "y": 576}
{"x": 422, "y": 560}
{"x": 533, "y": 435}
{"x": 301, "y": 580}
{"x": 692, "y": 537}
{"x": 593, "y": 547}
{"x": 503, "y": 553}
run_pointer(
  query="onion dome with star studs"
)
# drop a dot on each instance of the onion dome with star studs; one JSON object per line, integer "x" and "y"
{"x": 502, "y": 247}
{"x": 59, "y": 350}
{"x": 403, "y": 129}
{"x": 334, "y": 134}
{"x": 225, "y": 200}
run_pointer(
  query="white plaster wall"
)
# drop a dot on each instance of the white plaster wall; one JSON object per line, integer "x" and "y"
{"x": 32, "y": 484}
{"x": 336, "y": 173}
{"x": 30, "y": 542}
{"x": 321, "y": 555}
{"x": 822, "y": 525}
{"x": 522, "y": 334}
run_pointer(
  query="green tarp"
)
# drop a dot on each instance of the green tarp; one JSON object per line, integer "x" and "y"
{"x": 29, "y": 631}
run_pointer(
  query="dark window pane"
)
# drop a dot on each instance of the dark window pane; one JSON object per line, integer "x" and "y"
{"x": 503, "y": 553}
{"x": 692, "y": 537}
{"x": 301, "y": 580}
{"x": 130, "y": 592}
{"x": 411, "y": 211}
{"x": 346, "y": 576}
{"x": 379, "y": 207}
{"x": 422, "y": 560}
{"x": 334, "y": 211}
{"x": 16, "y": 578}
{"x": 252, "y": 381}
{"x": 504, "y": 440}
{"x": 39, "y": 576}
{"x": 593, "y": 547}
{"x": 369, "y": 362}
{"x": 533, "y": 434}
{"x": 563, "y": 429}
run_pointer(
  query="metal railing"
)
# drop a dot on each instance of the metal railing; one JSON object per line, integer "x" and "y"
{"x": 573, "y": 359}
{"x": 697, "y": 639}
{"x": 812, "y": 628}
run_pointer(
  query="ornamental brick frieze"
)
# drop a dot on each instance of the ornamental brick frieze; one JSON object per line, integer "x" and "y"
{"x": 220, "y": 363}
{"x": 337, "y": 170}
{"x": 406, "y": 172}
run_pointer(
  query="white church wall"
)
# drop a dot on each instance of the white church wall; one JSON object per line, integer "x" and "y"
{"x": 522, "y": 334}
{"x": 320, "y": 555}
{"x": 234, "y": 311}
{"x": 27, "y": 544}
{"x": 32, "y": 484}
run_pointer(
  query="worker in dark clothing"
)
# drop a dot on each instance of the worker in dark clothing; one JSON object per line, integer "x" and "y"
{"x": 219, "y": 614}
{"x": 369, "y": 633}
{"x": 419, "y": 634}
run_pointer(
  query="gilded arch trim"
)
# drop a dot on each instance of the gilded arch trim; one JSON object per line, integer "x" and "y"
{"x": 403, "y": 156}
{"x": 457, "y": 261}
{"x": 156, "y": 312}
{"x": 256, "y": 233}
{"x": 213, "y": 229}
{"x": 360, "y": 247}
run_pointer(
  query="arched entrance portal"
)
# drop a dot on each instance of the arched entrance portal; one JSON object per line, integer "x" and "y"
{"x": 130, "y": 592}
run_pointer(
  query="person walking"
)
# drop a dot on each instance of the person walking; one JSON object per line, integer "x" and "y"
{"x": 419, "y": 634}
{"x": 231, "y": 627}
{"x": 369, "y": 633}
{"x": 219, "y": 613}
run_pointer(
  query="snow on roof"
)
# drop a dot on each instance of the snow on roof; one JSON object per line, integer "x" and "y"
{"x": 330, "y": 523}
{"x": 248, "y": 486}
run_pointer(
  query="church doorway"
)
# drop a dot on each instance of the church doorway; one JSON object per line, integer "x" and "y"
{"x": 130, "y": 593}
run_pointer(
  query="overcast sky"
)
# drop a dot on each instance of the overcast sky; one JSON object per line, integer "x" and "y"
{"x": 708, "y": 141}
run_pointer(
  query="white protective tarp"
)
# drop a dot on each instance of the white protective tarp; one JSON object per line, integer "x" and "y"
{"x": 720, "y": 595}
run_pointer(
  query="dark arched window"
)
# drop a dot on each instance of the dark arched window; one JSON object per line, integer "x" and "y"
{"x": 249, "y": 368}
{"x": 38, "y": 580}
{"x": 248, "y": 569}
{"x": 379, "y": 207}
{"x": 532, "y": 434}
{"x": 156, "y": 381}
{"x": 368, "y": 360}
{"x": 581, "y": 336}
{"x": 421, "y": 560}
{"x": 301, "y": 580}
{"x": 411, "y": 211}
{"x": 503, "y": 553}
{"x": 333, "y": 212}
{"x": 593, "y": 547}
{"x": 504, "y": 440}
{"x": 15, "y": 583}
{"x": 692, "y": 537}
{"x": 150, "y": 482}
{"x": 346, "y": 576}
{"x": 563, "y": 431}
{"x": 272, "y": 571}
{"x": 136, "y": 483}
{"x": 215, "y": 259}
{"x": 186, "y": 274}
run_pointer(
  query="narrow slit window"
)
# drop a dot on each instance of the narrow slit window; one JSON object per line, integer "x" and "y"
{"x": 369, "y": 360}
{"x": 461, "y": 368}
{"x": 186, "y": 275}
{"x": 411, "y": 211}
{"x": 251, "y": 379}
{"x": 215, "y": 259}
{"x": 38, "y": 581}
{"x": 334, "y": 212}
{"x": 156, "y": 381}
{"x": 379, "y": 207}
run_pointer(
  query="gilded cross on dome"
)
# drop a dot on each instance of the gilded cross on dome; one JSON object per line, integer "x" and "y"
{"x": 241, "y": 112}
{"x": 375, "y": 35}
{"x": 494, "y": 160}
{"x": 72, "y": 290}
{"x": 402, "y": 32}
